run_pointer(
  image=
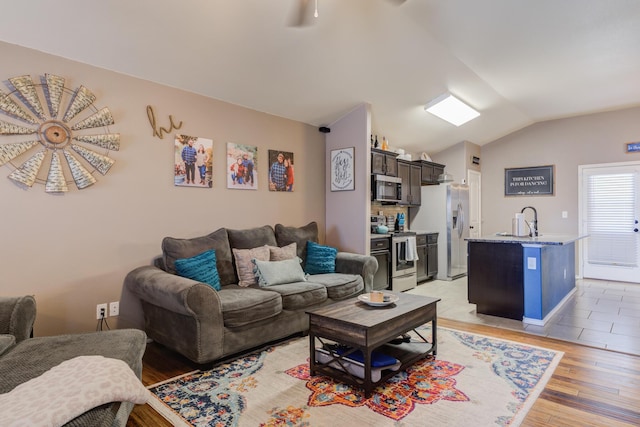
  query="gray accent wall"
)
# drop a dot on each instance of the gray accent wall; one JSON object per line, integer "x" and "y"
{"x": 565, "y": 143}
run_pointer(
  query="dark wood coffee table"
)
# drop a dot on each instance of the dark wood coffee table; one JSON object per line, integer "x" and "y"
{"x": 366, "y": 328}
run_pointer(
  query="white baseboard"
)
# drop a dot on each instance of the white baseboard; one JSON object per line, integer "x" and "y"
{"x": 542, "y": 322}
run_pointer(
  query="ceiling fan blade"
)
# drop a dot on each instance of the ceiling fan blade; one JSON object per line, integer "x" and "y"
{"x": 300, "y": 14}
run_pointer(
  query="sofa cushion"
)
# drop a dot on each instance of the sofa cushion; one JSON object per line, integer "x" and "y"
{"x": 339, "y": 286}
{"x": 269, "y": 273}
{"x": 320, "y": 259}
{"x": 252, "y": 237}
{"x": 34, "y": 356}
{"x": 298, "y": 235}
{"x": 173, "y": 248}
{"x": 300, "y": 295}
{"x": 241, "y": 306}
{"x": 244, "y": 263}
{"x": 285, "y": 252}
{"x": 201, "y": 267}
{"x": 70, "y": 389}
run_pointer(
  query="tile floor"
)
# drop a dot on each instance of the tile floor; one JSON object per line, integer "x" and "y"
{"x": 600, "y": 313}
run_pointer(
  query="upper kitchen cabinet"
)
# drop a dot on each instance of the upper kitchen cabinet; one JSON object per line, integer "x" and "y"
{"x": 430, "y": 172}
{"x": 384, "y": 162}
{"x": 411, "y": 175}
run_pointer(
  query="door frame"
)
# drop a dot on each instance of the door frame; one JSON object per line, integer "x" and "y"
{"x": 475, "y": 196}
{"x": 581, "y": 214}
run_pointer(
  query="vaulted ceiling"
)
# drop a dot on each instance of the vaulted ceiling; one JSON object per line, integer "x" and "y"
{"x": 517, "y": 61}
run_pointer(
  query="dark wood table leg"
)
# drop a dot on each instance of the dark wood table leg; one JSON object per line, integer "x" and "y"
{"x": 312, "y": 353}
{"x": 434, "y": 335}
{"x": 367, "y": 373}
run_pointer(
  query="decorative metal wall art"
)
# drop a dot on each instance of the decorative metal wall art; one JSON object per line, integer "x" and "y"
{"x": 50, "y": 138}
{"x": 158, "y": 130}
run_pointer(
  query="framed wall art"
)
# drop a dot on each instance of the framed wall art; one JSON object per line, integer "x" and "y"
{"x": 242, "y": 166}
{"x": 529, "y": 181}
{"x": 281, "y": 174}
{"x": 193, "y": 161}
{"x": 342, "y": 169}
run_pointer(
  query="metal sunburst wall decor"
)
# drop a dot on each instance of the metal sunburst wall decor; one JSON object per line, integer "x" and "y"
{"x": 41, "y": 147}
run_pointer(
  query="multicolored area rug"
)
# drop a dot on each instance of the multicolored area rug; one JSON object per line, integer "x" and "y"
{"x": 473, "y": 380}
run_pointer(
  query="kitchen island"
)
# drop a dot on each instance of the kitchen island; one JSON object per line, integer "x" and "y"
{"x": 522, "y": 278}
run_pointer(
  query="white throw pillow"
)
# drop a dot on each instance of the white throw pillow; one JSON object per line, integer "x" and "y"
{"x": 271, "y": 273}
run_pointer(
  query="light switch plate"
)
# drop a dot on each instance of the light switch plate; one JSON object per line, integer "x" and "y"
{"x": 531, "y": 263}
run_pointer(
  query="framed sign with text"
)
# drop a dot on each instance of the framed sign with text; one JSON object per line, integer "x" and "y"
{"x": 342, "y": 169}
{"x": 529, "y": 181}
{"x": 633, "y": 147}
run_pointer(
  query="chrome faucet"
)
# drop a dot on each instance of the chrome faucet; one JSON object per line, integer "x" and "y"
{"x": 533, "y": 226}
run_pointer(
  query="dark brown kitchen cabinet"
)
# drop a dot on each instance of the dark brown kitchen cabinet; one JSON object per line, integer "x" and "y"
{"x": 432, "y": 255}
{"x": 430, "y": 172}
{"x": 384, "y": 162}
{"x": 411, "y": 175}
{"x": 427, "y": 265}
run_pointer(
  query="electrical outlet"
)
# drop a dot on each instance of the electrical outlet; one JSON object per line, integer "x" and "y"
{"x": 114, "y": 308}
{"x": 101, "y": 311}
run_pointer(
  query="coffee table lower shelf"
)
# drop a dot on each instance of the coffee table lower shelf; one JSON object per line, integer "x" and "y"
{"x": 406, "y": 353}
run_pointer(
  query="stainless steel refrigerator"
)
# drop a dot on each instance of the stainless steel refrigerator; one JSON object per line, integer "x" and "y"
{"x": 445, "y": 210}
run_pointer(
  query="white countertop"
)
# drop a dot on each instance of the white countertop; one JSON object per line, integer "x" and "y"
{"x": 543, "y": 239}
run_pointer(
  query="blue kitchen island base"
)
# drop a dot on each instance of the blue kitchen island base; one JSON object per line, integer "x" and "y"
{"x": 549, "y": 279}
{"x": 521, "y": 278}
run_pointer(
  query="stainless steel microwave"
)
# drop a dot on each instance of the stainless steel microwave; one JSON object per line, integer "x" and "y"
{"x": 386, "y": 188}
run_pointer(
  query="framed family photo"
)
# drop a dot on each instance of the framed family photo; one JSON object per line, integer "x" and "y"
{"x": 193, "y": 161}
{"x": 281, "y": 176}
{"x": 242, "y": 166}
{"x": 342, "y": 169}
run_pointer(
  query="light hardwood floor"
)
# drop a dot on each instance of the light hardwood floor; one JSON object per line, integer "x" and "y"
{"x": 590, "y": 387}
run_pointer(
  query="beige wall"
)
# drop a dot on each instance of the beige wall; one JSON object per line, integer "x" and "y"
{"x": 458, "y": 160}
{"x": 565, "y": 143}
{"x": 72, "y": 251}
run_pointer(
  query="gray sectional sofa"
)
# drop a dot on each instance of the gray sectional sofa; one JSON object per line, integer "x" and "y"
{"x": 23, "y": 358}
{"x": 205, "y": 324}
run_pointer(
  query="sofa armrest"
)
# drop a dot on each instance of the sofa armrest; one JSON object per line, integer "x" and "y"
{"x": 180, "y": 313}
{"x": 171, "y": 292}
{"x": 364, "y": 265}
{"x": 17, "y": 315}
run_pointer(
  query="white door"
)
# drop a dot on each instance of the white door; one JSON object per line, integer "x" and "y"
{"x": 609, "y": 214}
{"x": 474, "y": 182}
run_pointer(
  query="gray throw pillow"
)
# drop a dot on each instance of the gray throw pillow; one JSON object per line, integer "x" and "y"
{"x": 300, "y": 235}
{"x": 271, "y": 273}
{"x": 174, "y": 248}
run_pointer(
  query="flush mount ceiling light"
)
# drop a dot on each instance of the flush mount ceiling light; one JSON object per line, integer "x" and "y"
{"x": 451, "y": 109}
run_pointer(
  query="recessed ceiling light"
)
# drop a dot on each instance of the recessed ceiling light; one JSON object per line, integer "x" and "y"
{"x": 451, "y": 109}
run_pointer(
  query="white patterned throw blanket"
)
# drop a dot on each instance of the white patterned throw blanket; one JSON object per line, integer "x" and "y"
{"x": 69, "y": 390}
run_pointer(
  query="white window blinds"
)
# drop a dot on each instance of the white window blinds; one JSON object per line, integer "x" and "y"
{"x": 611, "y": 200}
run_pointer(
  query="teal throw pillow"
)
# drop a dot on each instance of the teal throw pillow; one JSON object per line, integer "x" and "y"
{"x": 271, "y": 273}
{"x": 201, "y": 267}
{"x": 320, "y": 259}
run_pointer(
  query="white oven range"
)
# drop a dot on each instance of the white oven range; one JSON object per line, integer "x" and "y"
{"x": 404, "y": 257}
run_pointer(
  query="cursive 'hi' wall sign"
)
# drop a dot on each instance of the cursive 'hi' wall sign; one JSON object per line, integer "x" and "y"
{"x": 160, "y": 131}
